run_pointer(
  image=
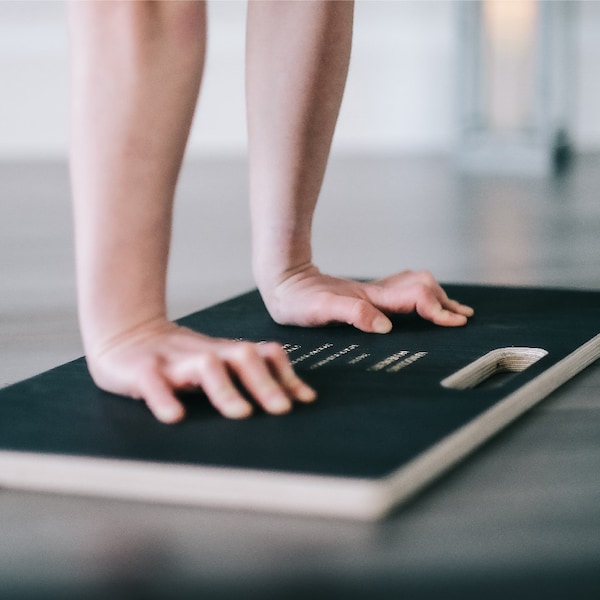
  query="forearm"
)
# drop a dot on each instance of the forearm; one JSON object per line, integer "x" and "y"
{"x": 297, "y": 62}
{"x": 133, "y": 98}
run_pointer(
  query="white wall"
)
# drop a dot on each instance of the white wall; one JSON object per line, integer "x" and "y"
{"x": 587, "y": 75}
{"x": 400, "y": 94}
{"x": 33, "y": 79}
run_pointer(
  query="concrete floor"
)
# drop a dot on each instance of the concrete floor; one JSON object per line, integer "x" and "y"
{"x": 522, "y": 516}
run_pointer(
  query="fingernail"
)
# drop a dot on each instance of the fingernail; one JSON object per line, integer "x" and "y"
{"x": 279, "y": 405}
{"x": 170, "y": 414}
{"x": 382, "y": 324}
{"x": 306, "y": 393}
{"x": 237, "y": 410}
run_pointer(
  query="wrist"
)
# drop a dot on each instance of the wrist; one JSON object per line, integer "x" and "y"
{"x": 278, "y": 255}
{"x": 104, "y": 325}
{"x": 281, "y": 238}
{"x": 96, "y": 347}
{"x": 270, "y": 275}
{"x": 118, "y": 292}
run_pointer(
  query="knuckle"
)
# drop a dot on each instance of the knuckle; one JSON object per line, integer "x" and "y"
{"x": 224, "y": 393}
{"x": 244, "y": 352}
{"x": 422, "y": 292}
{"x": 207, "y": 362}
{"x": 274, "y": 350}
{"x": 361, "y": 309}
{"x": 150, "y": 366}
{"x": 427, "y": 278}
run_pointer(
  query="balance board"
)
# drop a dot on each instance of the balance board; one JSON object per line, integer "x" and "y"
{"x": 394, "y": 411}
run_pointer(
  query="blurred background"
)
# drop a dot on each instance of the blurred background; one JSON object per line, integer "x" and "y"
{"x": 457, "y": 126}
{"x": 402, "y": 93}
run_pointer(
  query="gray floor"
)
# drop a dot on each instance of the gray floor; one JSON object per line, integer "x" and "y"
{"x": 521, "y": 517}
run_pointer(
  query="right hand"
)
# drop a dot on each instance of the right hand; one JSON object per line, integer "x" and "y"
{"x": 311, "y": 299}
{"x": 155, "y": 361}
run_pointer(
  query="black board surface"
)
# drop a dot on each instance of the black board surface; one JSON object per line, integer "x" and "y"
{"x": 381, "y": 408}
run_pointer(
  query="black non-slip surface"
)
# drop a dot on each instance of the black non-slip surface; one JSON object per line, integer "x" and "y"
{"x": 366, "y": 423}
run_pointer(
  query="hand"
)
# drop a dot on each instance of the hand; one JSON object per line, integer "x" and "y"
{"x": 309, "y": 298}
{"x": 156, "y": 360}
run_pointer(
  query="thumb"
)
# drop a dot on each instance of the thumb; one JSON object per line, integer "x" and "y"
{"x": 359, "y": 313}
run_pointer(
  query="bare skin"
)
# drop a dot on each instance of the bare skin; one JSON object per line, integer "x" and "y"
{"x": 297, "y": 62}
{"x": 136, "y": 73}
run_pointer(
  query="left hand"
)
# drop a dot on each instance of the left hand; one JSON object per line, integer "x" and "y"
{"x": 309, "y": 298}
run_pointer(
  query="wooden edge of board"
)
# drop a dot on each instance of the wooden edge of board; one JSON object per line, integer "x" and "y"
{"x": 170, "y": 483}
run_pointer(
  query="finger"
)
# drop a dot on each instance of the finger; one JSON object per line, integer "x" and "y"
{"x": 446, "y": 303}
{"x": 449, "y": 306}
{"x": 283, "y": 371}
{"x": 458, "y": 308}
{"x": 444, "y": 317}
{"x": 429, "y": 307}
{"x": 256, "y": 377}
{"x": 401, "y": 293}
{"x": 160, "y": 399}
{"x": 335, "y": 308}
{"x": 428, "y": 280}
{"x": 208, "y": 372}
